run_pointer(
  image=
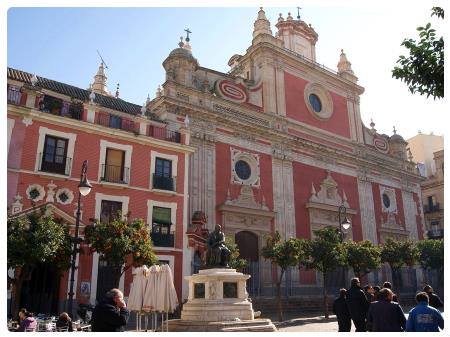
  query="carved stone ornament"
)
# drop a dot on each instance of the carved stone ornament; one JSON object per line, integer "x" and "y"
{"x": 35, "y": 192}
{"x": 17, "y": 205}
{"x": 246, "y": 199}
{"x": 64, "y": 196}
{"x": 388, "y": 200}
{"x": 250, "y": 160}
{"x": 328, "y": 193}
{"x": 51, "y": 192}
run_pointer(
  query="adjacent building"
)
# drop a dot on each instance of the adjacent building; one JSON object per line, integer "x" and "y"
{"x": 138, "y": 164}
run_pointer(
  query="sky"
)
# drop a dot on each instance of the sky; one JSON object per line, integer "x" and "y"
{"x": 62, "y": 43}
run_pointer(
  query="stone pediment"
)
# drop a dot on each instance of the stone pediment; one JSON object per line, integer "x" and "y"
{"x": 328, "y": 193}
{"x": 246, "y": 199}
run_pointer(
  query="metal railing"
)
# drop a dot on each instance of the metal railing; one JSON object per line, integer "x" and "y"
{"x": 14, "y": 95}
{"x": 163, "y": 134}
{"x": 115, "y": 174}
{"x": 162, "y": 240}
{"x": 163, "y": 183}
{"x": 435, "y": 233}
{"x": 58, "y": 165}
{"x": 116, "y": 122}
{"x": 431, "y": 208}
{"x": 56, "y": 106}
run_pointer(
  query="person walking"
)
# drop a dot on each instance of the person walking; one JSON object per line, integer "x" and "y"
{"x": 385, "y": 315}
{"x": 388, "y": 285}
{"x": 433, "y": 299}
{"x": 376, "y": 291}
{"x": 340, "y": 309}
{"x": 423, "y": 317}
{"x": 357, "y": 305}
{"x": 368, "y": 291}
{"x": 111, "y": 314}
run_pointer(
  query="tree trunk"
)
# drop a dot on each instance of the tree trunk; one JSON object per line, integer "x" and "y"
{"x": 280, "y": 305}
{"x": 325, "y": 296}
{"x": 16, "y": 296}
{"x": 117, "y": 274}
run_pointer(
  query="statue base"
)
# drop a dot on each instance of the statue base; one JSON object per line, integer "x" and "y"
{"x": 218, "y": 301}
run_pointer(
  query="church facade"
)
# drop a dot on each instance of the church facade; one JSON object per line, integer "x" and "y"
{"x": 280, "y": 145}
{"x": 275, "y": 144}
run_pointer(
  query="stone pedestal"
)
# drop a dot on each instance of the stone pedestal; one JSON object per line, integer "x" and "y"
{"x": 218, "y": 301}
{"x": 217, "y": 295}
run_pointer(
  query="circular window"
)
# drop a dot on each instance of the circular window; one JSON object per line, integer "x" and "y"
{"x": 386, "y": 200}
{"x": 243, "y": 169}
{"x": 315, "y": 102}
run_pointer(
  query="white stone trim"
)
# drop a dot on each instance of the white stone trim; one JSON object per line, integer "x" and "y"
{"x": 94, "y": 277}
{"x": 69, "y": 195}
{"x": 173, "y": 212}
{"x": 325, "y": 100}
{"x": 44, "y": 131}
{"x": 104, "y": 144}
{"x": 11, "y": 123}
{"x": 410, "y": 211}
{"x": 171, "y": 260}
{"x": 252, "y": 160}
{"x": 172, "y": 157}
{"x": 390, "y": 192}
{"x": 367, "y": 211}
{"x": 187, "y": 253}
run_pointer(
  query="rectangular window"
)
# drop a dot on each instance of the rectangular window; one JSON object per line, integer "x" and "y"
{"x": 113, "y": 169}
{"x": 54, "y": 157}
{"x": 115, "y": 122}
{"x": 161, "y": 223}
{"x": 162, "y": 178}
{"x": 110, "y": 210}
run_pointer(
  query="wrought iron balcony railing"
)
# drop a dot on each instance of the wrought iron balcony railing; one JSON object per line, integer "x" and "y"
{"x": 53, "y": 163}
{"x": 163, "y": 183}
{"x": 14, "y": 95}
{"x": 115, "y": 174}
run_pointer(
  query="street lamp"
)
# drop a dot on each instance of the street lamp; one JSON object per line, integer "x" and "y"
{"x": 343, "y": 224}
{"x": 84, "y": 187}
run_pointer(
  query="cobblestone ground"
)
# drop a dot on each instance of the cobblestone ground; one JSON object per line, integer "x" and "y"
{"x": 310, "y": 324}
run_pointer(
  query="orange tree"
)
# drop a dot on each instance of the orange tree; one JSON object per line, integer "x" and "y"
{"x": 362, "y": 256}
{"x": 34, "y": 239}
{"x": 121, "y": 243}
{"x": 284, "y": 254}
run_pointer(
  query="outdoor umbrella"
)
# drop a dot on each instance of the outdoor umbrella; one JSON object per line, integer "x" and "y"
{"x": 150, "y": 290}
{"x": 170, "y": 294}
{"x": 137, "y": 291}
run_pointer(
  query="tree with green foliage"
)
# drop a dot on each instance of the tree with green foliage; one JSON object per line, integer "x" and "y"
{"x": 32, "y": 240}
{"x": 283, "y": 254}
{"x": 122, "y": 244}
{"x": 398, "y": 254}
{"x": 423, "y": 69}
{"x": 431, "y": 255}
{"x": 325, "y": 254}
{"x": 362, "y": 256}
{"x": 235, "y": 261}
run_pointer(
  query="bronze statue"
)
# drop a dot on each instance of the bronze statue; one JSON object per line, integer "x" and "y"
{"x": 217, "y": 255}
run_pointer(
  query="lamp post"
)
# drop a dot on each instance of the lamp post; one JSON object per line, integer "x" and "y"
{"x": 84, "y": 187}
{"x": 343, "y": 224}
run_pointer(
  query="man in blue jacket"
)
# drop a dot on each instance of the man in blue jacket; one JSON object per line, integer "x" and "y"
{"x": 423, "y": 318}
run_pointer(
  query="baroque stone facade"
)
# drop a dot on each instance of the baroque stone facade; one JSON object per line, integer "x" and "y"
{"x": 280, "y": 145}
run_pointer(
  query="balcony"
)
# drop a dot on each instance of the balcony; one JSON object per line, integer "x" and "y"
{"x": 116, "y": 122}
{"x": 161, "y": 235}
{"x": 163, "y": 134}
{"x": 163, "y": 183}
{"x": 431, "y": 208}
{"x": 56, "y": 106}
{"x": 14, "y": 95}
{"x": 115, "y": 174}
{"x": 435, "y": 233}
{"x": 58, "y": 164}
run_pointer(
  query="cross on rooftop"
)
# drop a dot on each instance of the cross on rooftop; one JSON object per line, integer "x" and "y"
{"x": 187, "y": 34}
{"x": 298, "y": 12}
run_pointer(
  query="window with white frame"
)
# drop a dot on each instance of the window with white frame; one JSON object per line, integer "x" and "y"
{"x": 161, "y": 218}
{"x": 55, "y": 151}
{"x": 115, "y": 162}
{"x": 163, "y": 171}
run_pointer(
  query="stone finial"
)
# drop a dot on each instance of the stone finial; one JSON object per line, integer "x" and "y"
{"x": 143, "y": 109}
{"x": 344, "y": 65}
{"x": 158, "y": 91}
{"x": 34, "y": 80}
{"x": 186, "y": 121}
{"x": 51, "y": 192}
{"x": 280, "y": 19}
{"x": 117, "y": 90}
{"x": 181, "y": 43}
{"x": 17, "y": 205}
{"x": 394, "y": 130}
{"x": 147, "y": 101}
{"x": 410, "y": 155}
{"x": 289, "y": 17}
{"x": 261, "y": 25}
{"x": 91, "y": 96}
{"x": 372, "y": 124}
{"x": 99, "y": 86}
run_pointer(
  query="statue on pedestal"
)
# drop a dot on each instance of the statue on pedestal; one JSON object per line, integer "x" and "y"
{"x": 217, "y": 255}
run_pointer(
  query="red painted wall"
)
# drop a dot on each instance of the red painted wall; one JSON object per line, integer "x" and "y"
{"x": 297, "y": 110}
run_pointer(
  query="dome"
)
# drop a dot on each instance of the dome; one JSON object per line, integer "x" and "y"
{"x": 181, "y": 52}
{"x": 397, "y": 138}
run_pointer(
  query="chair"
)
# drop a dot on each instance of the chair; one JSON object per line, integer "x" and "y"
{"x": 30, "y": 329}
{"x": 62, "y": 329}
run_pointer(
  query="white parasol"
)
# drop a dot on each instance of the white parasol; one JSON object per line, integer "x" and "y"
{"x": 170, "y": 294}
{"x": 137, "y": 291}
{"x": 149, "y": 303}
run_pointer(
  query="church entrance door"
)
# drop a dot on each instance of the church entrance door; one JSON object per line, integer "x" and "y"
{"x": 247, "y": 243}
